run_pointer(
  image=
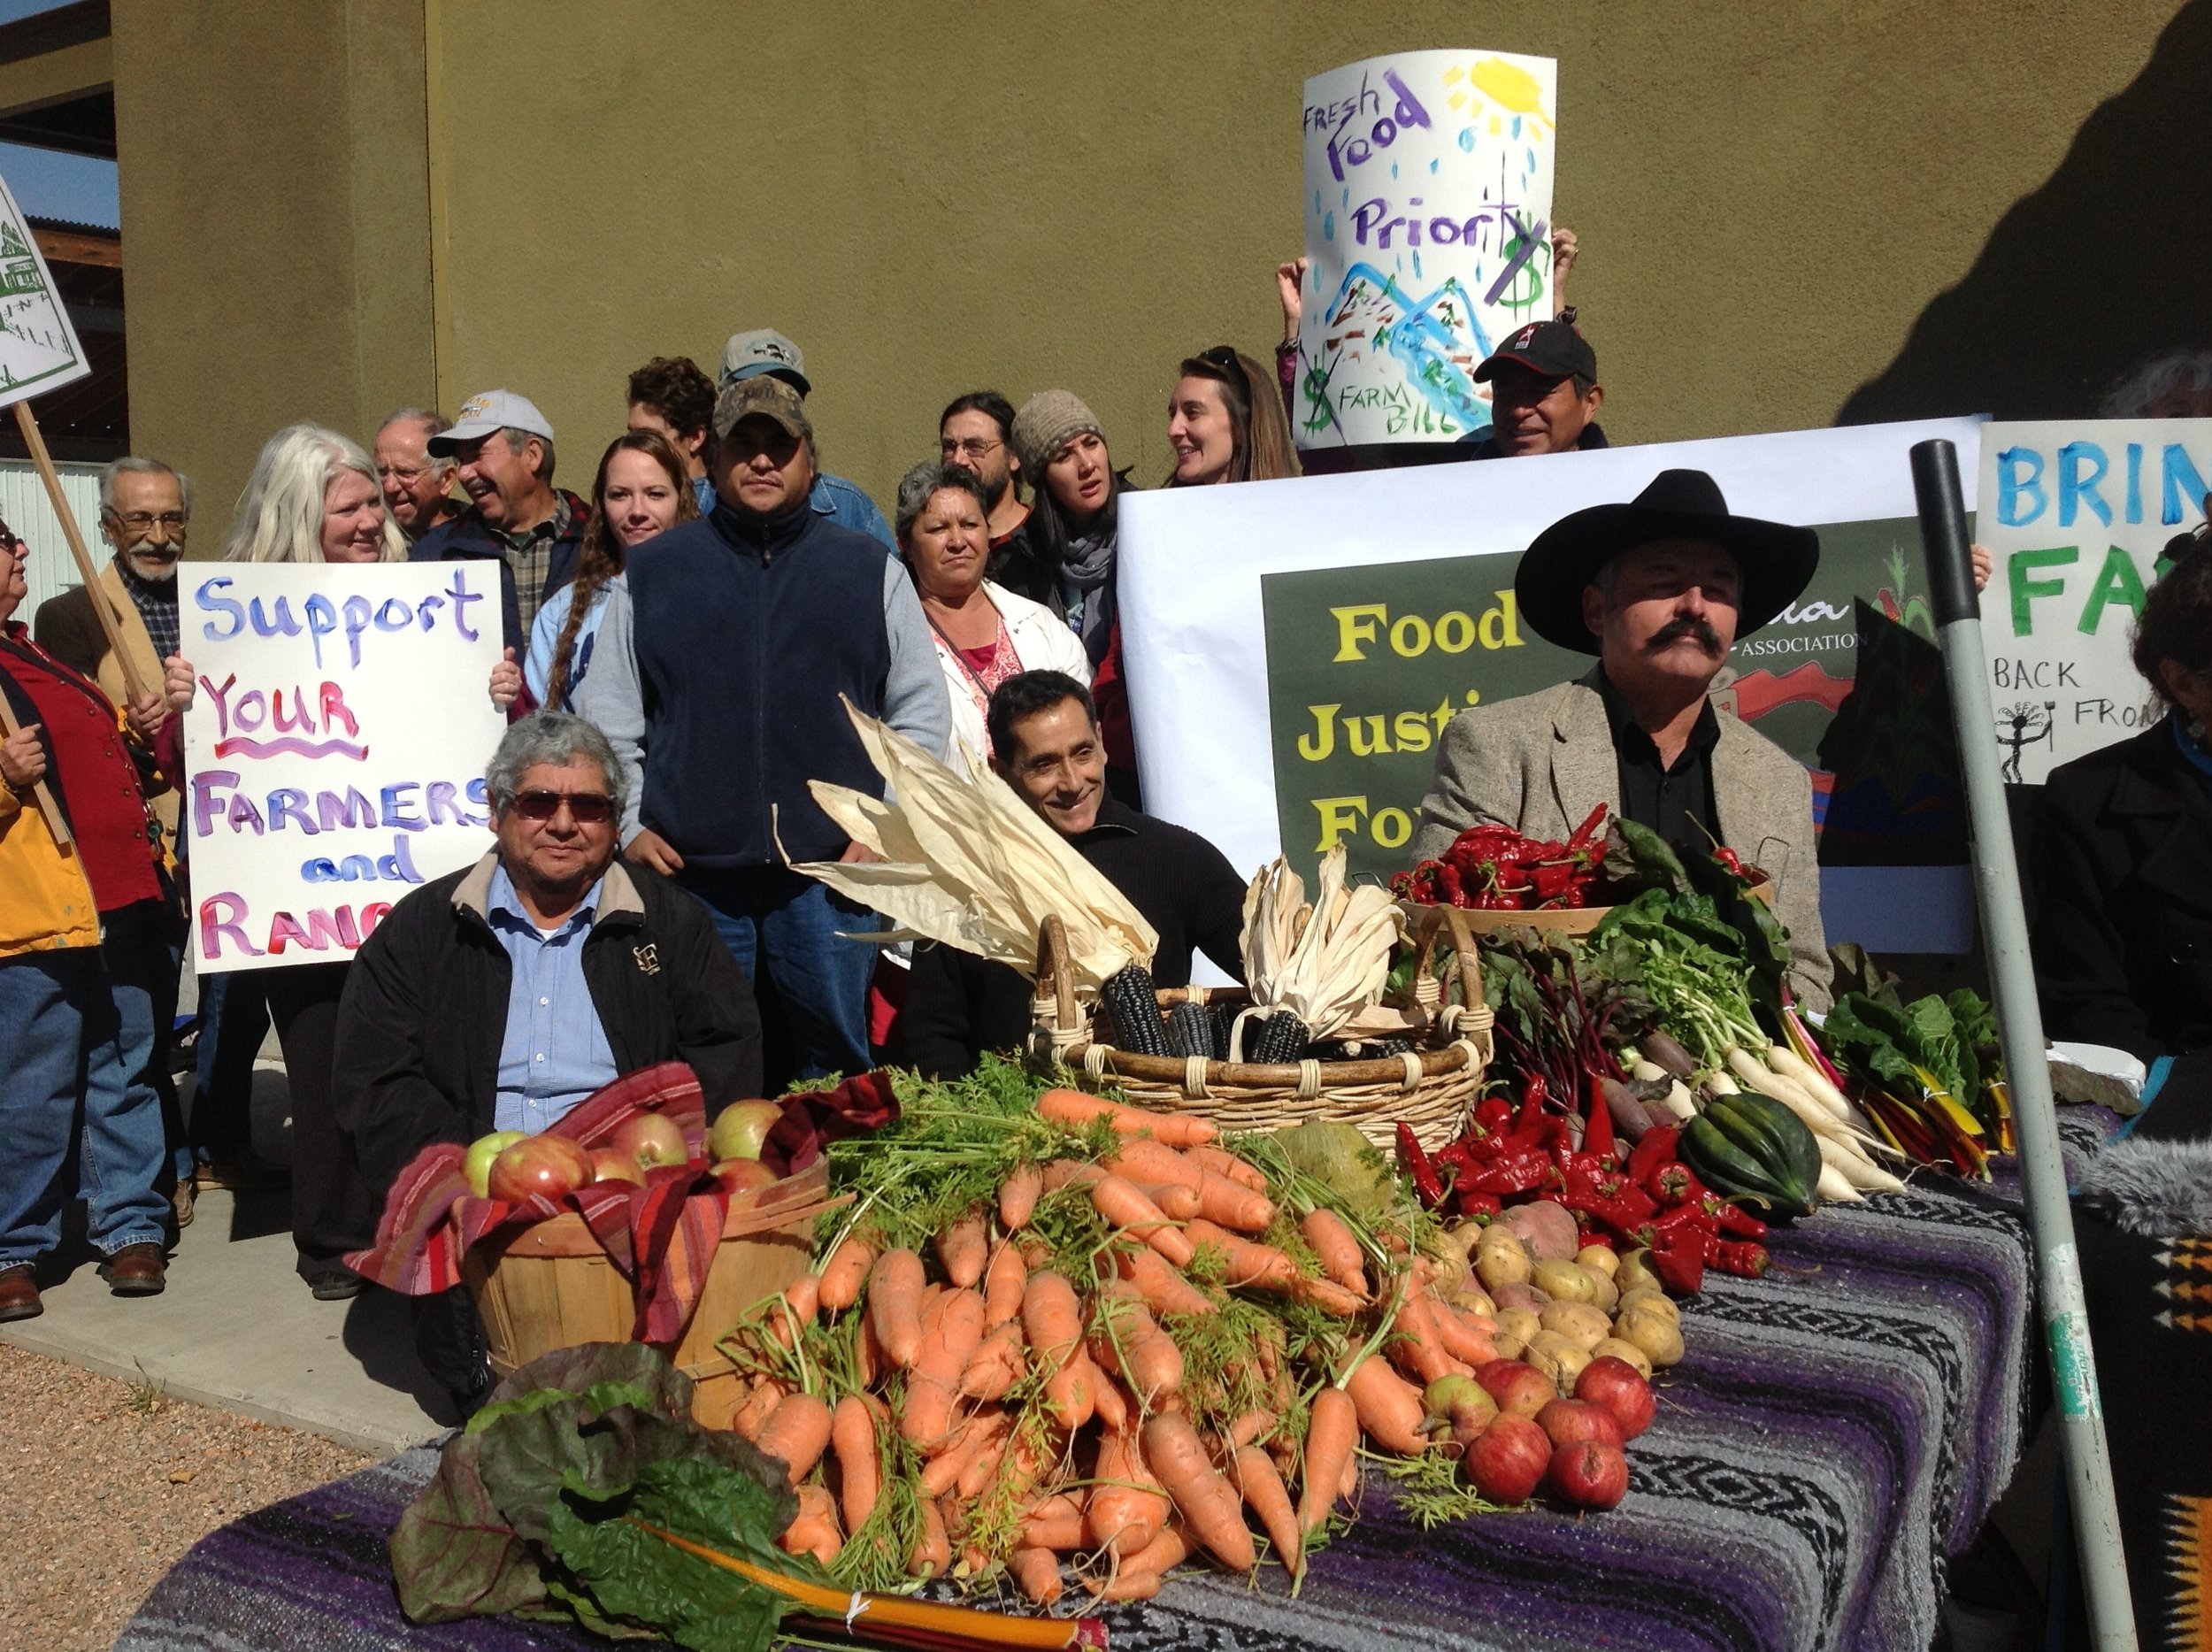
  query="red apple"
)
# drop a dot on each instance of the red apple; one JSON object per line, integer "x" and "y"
{"x": 613, "y": 1165}
{"x": 551, "y": 1165}
{"x": 1571, "y": 1422}
{"x": 651, "y": 1139}
{"x": 740, "y": 1129}
{"x": 745, "y": 1179}
{"x": 1507, "y": 1463}
{"x": 1621, "y": 1389}
{"x": 1589, "y": 1474}
{"x": 1519, "y": 1388}
{"x": 476, "y": 1164}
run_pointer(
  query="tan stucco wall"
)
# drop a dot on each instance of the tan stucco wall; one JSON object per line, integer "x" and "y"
{"x": 1021, "y": 195}
{"x": 272, "y": 159}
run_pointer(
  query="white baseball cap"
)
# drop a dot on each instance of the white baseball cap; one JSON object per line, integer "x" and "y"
{"x": 487, "y": 411}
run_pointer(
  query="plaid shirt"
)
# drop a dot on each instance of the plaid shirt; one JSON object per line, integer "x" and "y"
{"x": 156, "y": 600}
{"x": 530, "y": 554}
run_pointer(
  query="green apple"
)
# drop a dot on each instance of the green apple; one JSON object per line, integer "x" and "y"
{"x": 740, "y": 1128}
{"x": 477, "y": 1167}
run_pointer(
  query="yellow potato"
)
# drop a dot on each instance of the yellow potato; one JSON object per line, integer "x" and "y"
{"x": 1564, "y": 1281}
{"x": 1498, "y": 1264}
{"x": 1517, "y": 1322}
{"x": 1659, "y": 1337}
{"x": 1656, "y": 1301}
{"x": 1604, "y": 1295}
{"x": 1601, "y": 1258}
{"x": 1558, "y": 1356}
{"x": 1579, "y": 1322}
{"x": 1627, "y": 1351}
{"x": 1475, "y": 1301}
{"x": 1632, "y": 1275}
{"x": 1463, "y": 1237}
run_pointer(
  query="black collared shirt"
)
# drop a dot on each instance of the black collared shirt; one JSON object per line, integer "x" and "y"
{"x": 1676, "y": 802}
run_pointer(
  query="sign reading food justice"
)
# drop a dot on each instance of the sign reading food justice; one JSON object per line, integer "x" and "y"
{"x": 336, "y": 747}
{"x": 1428, "y": 205}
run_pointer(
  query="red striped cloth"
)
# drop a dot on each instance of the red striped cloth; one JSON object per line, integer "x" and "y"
{"x": 662, "y": 1236}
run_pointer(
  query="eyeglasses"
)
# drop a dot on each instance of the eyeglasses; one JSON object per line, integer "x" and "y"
{"x": 968, "y": 448}
{"x": 142, "y": 521}
{"x": 584, "y": 808}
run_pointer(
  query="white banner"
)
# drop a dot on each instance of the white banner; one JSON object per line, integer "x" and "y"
{"x": 1286, "y": 668}
{"x": 335, "y": 747}
{"x": 2078, "y": 512}
{"x": 39, "y": 349}
{"x": 1428, "y": 209}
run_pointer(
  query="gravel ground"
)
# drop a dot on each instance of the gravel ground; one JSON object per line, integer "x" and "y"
{"x": 107, "y": 1484}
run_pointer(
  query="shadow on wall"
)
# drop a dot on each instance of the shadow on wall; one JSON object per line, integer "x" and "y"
{"x": 2100, "y": 269}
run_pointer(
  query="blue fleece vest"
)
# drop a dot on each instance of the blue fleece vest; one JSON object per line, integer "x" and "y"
{"x": 746, "y": 634}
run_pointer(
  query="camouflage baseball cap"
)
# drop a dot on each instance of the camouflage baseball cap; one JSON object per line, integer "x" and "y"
{"x": 768, "y": 396}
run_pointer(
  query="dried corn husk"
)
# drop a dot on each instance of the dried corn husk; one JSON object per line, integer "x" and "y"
{"x": 1323, "y": 963}
{"x": 967, "y": 862}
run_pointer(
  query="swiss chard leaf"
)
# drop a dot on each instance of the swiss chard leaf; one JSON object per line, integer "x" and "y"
{"x": 634, "y": 1576}
{"x": 1863, "y": 1033}
{"x": 453, "y": 1551}
{"x": 1638, "y": 856}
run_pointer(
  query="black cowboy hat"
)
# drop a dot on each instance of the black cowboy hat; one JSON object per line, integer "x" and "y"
{"x": 1776, "y": 562}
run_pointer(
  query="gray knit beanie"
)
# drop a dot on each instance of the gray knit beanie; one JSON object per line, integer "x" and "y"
{"x": 1047, "y": 422}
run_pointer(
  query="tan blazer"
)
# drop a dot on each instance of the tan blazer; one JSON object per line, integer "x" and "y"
{"x": 67, "y": 629}
{"x": 1542, "y": 763}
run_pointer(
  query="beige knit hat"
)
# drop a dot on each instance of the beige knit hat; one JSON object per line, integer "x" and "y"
{"x": 1047, "y": 422}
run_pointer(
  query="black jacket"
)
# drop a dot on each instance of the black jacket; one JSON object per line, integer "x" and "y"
{"x": 424, "y": 1010}
{"x": 2124, "y": 932}
{"x": 959, "y": 1005}
{"x": 469, "y": 538}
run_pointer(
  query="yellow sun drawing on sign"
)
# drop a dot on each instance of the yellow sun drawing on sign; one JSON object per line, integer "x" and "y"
{"x": 1505, "y": 87}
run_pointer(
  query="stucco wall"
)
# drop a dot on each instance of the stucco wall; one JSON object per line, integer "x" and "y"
{"x": 1024, "y": 194}
{"x": 272, "y": 159}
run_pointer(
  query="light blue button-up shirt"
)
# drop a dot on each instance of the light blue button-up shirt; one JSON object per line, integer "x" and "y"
{"x": 833, "y": 497}
{"x": 555, "y": 1053}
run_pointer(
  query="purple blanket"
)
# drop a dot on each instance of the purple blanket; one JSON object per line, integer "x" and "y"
{"x": 1838, "y": 1430}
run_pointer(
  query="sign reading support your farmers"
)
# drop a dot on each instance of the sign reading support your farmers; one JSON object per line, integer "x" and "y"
{"x": 336, "y": 747}
{"x": 1294, "y": 649}
{"x": 39, "y": 349}
{"x": 2077, "y": 514}
{"x": 1428, "y": 208}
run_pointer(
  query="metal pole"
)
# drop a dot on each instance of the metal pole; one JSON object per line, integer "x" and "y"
{"x": 1935, "y": 479}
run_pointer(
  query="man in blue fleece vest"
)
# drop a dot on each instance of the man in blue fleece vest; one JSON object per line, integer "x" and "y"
{"x": 743, "y": 629}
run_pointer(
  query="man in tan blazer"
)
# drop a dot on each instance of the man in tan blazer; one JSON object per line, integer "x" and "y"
{"x": 1659, "y": 589}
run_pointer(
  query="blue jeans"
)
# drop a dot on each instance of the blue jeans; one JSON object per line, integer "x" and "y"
{"x": 783, "y": 928}
{"x": 76, "y": 1039}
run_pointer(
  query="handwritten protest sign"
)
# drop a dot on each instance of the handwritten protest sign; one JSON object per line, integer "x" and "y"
{"x": 335, "y": 748}
{"x": 38, "y": 347}
{"x": 2077, "y": 514}
{"x": 1428, "y": 206}
{"x": 1332, "y": 626}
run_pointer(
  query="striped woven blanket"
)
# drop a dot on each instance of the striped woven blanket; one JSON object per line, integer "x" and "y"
{"x": 1837, "y": 1431}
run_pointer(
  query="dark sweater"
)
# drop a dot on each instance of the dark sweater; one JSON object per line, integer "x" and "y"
{"x": 959, "y": 1005}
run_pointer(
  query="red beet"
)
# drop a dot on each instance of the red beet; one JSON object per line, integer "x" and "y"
{"x": 1621, "y": 1389}
{"x": 1589, "y": 1474}
{"x": 1508, "y": 1462}
{"x": 1519, "y": 1388}
{"x": 1571, "y": 1422}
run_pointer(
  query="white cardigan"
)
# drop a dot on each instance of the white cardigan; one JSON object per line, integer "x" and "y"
{"x": 1042, "y": 641}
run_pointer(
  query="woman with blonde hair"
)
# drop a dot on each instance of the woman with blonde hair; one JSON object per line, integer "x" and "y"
{"x": 313, "y": 497}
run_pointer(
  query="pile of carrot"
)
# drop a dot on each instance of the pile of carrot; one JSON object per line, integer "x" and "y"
{"x": 1138, "y": 1348}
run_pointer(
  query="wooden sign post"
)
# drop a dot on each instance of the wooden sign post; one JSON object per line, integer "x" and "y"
{"x": 39, "y": 352}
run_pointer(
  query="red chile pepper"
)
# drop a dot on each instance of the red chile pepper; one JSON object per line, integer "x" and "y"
{"x": 1750, "y": 1261}
{"x": 1597, "y": 1120}
{"x": 1479, "y": 1206}
{"x": 1729, "y": 859}
{"x": 1525, "y": 1170}
{"x": 1679, "y": 1261}
{"x": 1448, "y": 889}
{"x": 1675, "y": 1183}
{"x": 1552, "y": 880}
{"x": 1532, "y": 1100}
{"x": 1417, "y": 1164}
{"x": 1656, "y": 1148}
{"x": 1590, "y": 1236}
{"x": 1684, "y": 1218}
{"x": 1494, "y": 1113}
{"x": 1588, "y": 829}
{"x": 1733, "y": 1218}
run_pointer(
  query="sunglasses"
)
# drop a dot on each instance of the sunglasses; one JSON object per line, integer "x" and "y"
{"x": 584, "y": 808}
{"x": 1221, "y": 355}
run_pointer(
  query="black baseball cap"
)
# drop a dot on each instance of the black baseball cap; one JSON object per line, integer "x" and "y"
{"x": 1552, "y": 349}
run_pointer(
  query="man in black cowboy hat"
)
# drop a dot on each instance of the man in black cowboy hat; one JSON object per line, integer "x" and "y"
{"x": 1659, "y": 590}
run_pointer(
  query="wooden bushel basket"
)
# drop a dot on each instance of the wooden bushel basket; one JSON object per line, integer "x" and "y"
{"x": 550, "y": 1285}
{"x": 1432, "y": 1089}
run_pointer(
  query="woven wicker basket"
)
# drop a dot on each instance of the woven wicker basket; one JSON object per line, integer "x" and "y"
{"x": 1431, "y": 1088}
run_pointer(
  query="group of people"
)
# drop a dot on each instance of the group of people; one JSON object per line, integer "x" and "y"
{"x": 679, "y": 647}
